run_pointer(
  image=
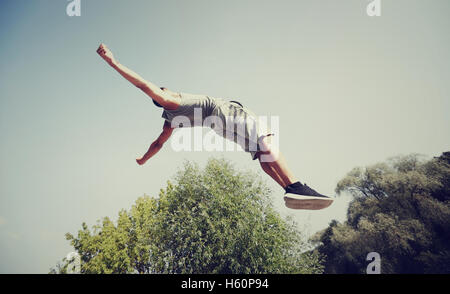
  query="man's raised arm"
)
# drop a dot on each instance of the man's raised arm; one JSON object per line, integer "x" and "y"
{"x": 164, "y": 99}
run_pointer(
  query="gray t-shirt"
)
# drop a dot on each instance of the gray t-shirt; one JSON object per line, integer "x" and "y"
{"x": 191, "y": 106}
{"x": 235, "y": 122}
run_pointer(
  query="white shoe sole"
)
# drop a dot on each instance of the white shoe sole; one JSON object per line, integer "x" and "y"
{"x": 295, "y": 201}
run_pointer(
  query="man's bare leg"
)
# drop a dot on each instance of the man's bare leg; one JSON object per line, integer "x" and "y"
{"x": 272, "y": 173}
{"x": 274, "y": 163}
{"x": 297, "y": 196}
{"x": 278, "y": 170}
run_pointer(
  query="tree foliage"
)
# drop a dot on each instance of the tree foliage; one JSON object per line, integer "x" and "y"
{"x": 401, "y": 209}
{"x": 211, "y": 220}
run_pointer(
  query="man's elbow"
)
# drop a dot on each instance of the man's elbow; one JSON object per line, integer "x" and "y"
{"x": 158, "y": 144}
{"x": 151, "y": 93}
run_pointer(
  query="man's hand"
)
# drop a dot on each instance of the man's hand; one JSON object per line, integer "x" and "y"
{"x": 106, "y": 54}
{"x": 141, "y": 161}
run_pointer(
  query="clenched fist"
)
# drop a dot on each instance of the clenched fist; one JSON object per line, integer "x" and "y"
{"x": 106, "y": 54}
{"x": 141, "y": 161}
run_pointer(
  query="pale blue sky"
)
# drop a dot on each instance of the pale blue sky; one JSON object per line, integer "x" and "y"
{"x": 350, "y": 90}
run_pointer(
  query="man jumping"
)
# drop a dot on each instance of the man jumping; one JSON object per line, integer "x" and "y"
{"x": 248, "y": 134}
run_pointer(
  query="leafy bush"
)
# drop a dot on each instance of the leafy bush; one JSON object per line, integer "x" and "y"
{"x": 215, "y": 220}
{"x": 401, "y": 209}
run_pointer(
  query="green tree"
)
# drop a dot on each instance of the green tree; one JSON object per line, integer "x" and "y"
{"x": 401, "y": 209}
{"x": 211, "y": 220}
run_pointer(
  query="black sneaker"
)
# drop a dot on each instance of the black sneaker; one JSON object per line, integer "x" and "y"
{"x": 300, "y": 196}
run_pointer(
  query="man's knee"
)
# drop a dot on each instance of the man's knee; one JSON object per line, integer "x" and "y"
{"x": 269, "y": 152}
